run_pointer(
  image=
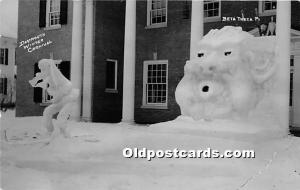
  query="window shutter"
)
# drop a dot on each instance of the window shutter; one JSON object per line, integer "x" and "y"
{"x": 63, "y": 11}
{"x": 5, "y": 86}
{"x": 1, "y": 86}
{"x": 37, "y": 92}
{"x": 1, "y": 57}
{"x": 64, "y": 67}
{"x": 186, "y": 11}
{"x": 43, "y": 5}
{"x": 6, "y": 56}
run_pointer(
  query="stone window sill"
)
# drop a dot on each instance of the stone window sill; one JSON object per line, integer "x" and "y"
{"x": 54, "y": 27}
{"x": 160, "y": 107}
{"x": 107, "y": 90}
{"x": 160, "y": 25}
{"x": 268, "y": 13}
{"x": 212, "y": 19}
{"x": 45, "y": 104}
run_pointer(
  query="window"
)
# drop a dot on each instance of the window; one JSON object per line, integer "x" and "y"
{"x": 155, "y": 84}
{"x": 212, "y": 10}
{"x": 111, "y": 75}
{"x": 3, "y": 86}
{"x": 269, "y": 5}
{"x": 4, "y": 56}
{"x": 157, "y": 13}
{"x": 291, "y": 80}
{"x": 267, "y": 8}
{"x": 53, "y": 13}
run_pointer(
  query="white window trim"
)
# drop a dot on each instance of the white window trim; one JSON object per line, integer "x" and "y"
{"x": 48, "y": 27}
{"x": 145, "y": 76}
{"x": 113, "y": 90}
{"x": 158, "y": 25}
{"x": 214, "y": 18}
{"x": 262, "y": 12}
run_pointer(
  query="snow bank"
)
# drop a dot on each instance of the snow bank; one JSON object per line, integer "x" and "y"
{"x": 91, "y": 159}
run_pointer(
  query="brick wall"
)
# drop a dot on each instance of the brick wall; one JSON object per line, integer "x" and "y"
{"x": 109, "y": 44}
{"x": 28, "y": 26}
{"x": 171, "y": 43}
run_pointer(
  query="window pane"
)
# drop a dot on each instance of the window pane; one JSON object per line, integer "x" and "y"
{"x": 159, "y": 20}
{"x": 211, "y": 8}
{"x": 158, "y": 11}
{"x": 269, "y": 5}
{"x": 274, "y": 5}
{"x": 216, "y": 12}
{"x": 110, "y": 74}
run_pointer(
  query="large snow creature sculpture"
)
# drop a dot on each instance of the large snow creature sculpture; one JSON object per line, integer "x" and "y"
{"x": 65, "y": 97}
{"x": 228, "y": 76}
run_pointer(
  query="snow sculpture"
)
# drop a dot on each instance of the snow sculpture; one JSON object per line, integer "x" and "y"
{"x": 65, "y": 97}
{"x": 228, "y": 77}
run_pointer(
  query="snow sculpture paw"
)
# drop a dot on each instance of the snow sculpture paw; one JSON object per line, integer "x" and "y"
{"x": 228, "y": 74}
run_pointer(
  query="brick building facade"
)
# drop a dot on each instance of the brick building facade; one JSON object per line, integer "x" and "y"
{"x": 32, "y": 29}
{"x": 162, "y": 46}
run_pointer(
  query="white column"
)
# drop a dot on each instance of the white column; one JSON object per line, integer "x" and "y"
{"x": 196, "y": 26}
{"x": 76, "y": 57}
{"x": 129, "y": 62}
{"x": 283, "y": 24}
{"x": 296, "y": 90}
{"x": 88, "y": 61}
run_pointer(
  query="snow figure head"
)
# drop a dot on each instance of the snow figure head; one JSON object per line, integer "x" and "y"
{"x": 227, "y": 76}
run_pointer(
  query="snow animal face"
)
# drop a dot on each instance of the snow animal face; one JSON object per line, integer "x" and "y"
{"x": 227, "y": 75}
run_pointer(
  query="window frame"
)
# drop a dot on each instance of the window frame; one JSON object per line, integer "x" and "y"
{"x": 115, "y": 89}
{"x": 156, "y": 25}
{"x": 5, "y": 58}
{"x": 263, "y": 12}
{"x": 48, "y": 22}
{"x": 145, "y": 79}
{"x": 213, "y": 18}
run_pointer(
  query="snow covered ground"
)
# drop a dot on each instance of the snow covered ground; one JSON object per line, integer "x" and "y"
{"x": 92, "y": 158}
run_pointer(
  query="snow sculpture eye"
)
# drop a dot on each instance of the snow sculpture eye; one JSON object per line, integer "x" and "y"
{"x": 227, "y": 53}
{"x": 200, "y": 54}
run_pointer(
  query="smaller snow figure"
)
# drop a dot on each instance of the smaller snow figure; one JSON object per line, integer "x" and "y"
{"x": 65, "y": 97}
{"x": 228, "y": 77}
